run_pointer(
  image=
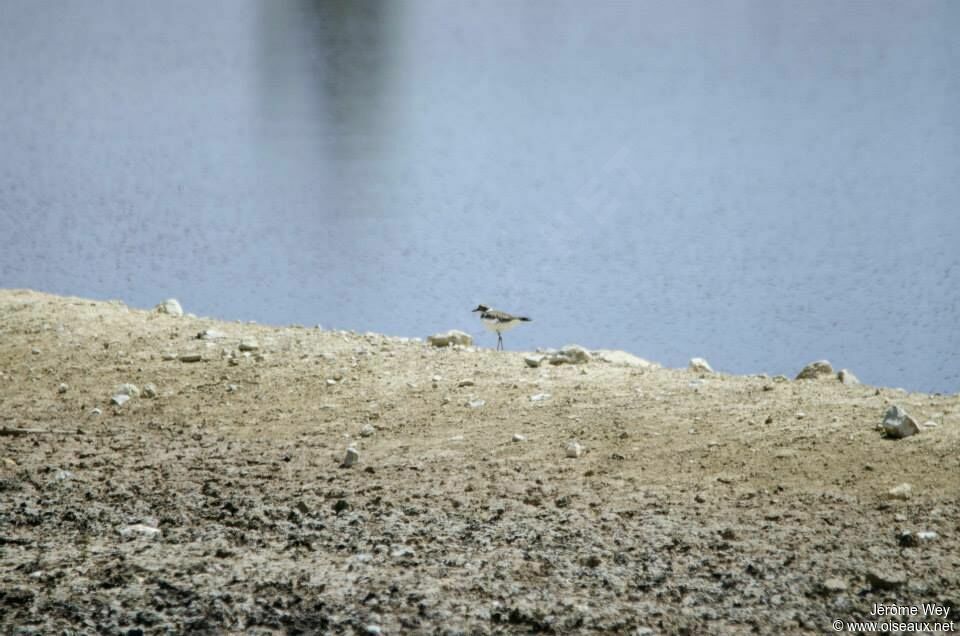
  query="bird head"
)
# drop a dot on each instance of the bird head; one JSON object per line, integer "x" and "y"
{"x": 481, "y": 308}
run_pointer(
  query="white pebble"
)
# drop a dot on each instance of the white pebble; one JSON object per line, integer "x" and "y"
{"x": 351, "y": 458}
{"x": 901, "y": 492}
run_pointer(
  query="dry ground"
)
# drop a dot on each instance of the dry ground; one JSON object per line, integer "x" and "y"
{"x": 704, "y": 504}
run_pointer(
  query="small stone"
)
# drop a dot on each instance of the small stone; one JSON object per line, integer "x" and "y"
{"x": 475, "y": 404}
{"x": 95, "y": 412}
{"x": 450, "y": 338}
{"x": 517, "y": 437}
{"x": 211, "y": 334}
{"x": 62, "y": 475}
{"x": 898, "y": 424}
{"x": 351, "y": 458}
{"x": 170, "y": 307}
{"x": 699, "y": 365}
{"x": 930, "y": 424}
{"x": 540, "y": 397}
{"x": 191, "y": 357}
{"x": 533, "y": 360}
{"x": 570, "y": 354}
{"x": 780, "y": 378}
{"x": 464, "y": 383}
{"x": 846, "y": 377}
{"x": 249, "y": 344}
{"x": 372, "y": 629}
{"x": 833, "y": 585}
{"x": 574, "y": 450}
{"x": 801, "y": 415}
{"x": 623, "y": 359}
{"x": 700, "y": 498}
{"x": 815, "y": 370}
{"x": 139, "y": 530}
{"x": 885, "y": 580}
{"x": 128, "y": 389}
{"x": 119, "y": 399}
{"x": 63, "y": 388}
{"x": 331, "y": 382}
{"x": 914, "y": 539}
{"x": 35, "y": 351}
{"x": 232, "y": 388}
{"x": 900, "y": 492}
{"x": 168, "y": 355}
{"x": 367, "y": 430}
{"x": 149, "y": 390}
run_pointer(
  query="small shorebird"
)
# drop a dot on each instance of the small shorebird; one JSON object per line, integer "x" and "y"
{"x": 498, "y": 321}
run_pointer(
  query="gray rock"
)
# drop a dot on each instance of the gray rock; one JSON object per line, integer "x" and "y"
{"x": 846, "y": 377}
{"x": 885, "y": 580}
{"x": 128, "y": 389}
{"x": 833, "y": 585}
{"x": 897, "y": 423}
{"x": 191, "y": 357}
{"x": 539, "y": 397}
{"x": 168, "y": 355}
{"x": 915, "y": 539}
{"x": 450, "y": 338}
{"x": 517, "y": 437}
{"x": 170, "y": 307}
{"x": 367, "y": 430}
{"x": 63, "y": 388}
{"x": 900, "y": 492}
{"x": 464, "y": 383}
{"x": 816, "y": 370}
{"x": 623, "y": 359}
{"x": 249, "y": 344}
{"x": 149, "y": 390}
{"x": 699, "y": 365}
{"x": 570, "y": 354}
{"x": 351, "y": 458}
{"x": 574, "y": 450}
{"x": 119, "y": 399}
{"x": 139, "y": 531}
{"x": 533, "y": 360}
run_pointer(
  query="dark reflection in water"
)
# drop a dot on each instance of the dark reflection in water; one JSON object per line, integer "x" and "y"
{"x": 761, "y": 184}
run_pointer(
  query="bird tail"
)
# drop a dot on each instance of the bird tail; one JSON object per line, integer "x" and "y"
{"x": 524, "y": 319}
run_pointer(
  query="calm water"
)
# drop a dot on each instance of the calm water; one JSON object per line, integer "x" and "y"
{"x": 758, "y": 183}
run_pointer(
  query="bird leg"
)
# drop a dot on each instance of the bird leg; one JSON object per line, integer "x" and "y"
{"x": 499, "y": 341}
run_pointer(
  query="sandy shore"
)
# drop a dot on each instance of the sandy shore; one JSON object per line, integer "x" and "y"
{"x": 702, "y": 503}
